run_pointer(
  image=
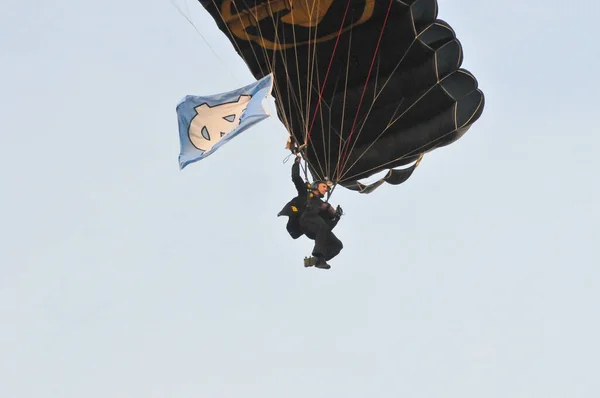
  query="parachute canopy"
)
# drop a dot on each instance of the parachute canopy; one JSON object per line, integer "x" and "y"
{"x": 361, "y": 85}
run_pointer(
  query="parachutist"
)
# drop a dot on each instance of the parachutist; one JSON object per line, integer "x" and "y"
{"x": 309, "y": 215}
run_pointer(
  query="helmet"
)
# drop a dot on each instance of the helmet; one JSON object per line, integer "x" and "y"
{"x": 315, "y": 185}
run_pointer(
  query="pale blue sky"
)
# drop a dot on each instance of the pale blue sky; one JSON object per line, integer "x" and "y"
{"x": 123, "y": 277}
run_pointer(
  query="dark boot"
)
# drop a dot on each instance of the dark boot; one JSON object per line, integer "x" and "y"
{"x": 321, "y": 263}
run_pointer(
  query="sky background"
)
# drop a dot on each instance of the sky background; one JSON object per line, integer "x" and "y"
{"x": 123, "y": 277}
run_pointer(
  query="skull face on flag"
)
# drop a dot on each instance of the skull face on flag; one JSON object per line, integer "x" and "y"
{"x": 212, "y": 123}
{"x": 208, "y": 122}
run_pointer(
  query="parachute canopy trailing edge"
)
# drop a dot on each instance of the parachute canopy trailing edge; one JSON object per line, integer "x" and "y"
{"x": 362, "y": 86}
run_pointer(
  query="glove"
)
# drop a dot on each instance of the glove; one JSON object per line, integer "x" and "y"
{"x": 338, "y": 211}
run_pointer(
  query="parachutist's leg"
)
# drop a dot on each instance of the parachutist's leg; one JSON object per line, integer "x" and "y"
{"x": 322, "y": 244}
{"x": 321, "y": 263}
{"x": 334, "y": 247}
{"x": 321, "y": 247}
{"x": 327, "y": 246}
{"x": 321, "y": 240}
{"x": 313, "y": 229}
{"x": 317, "y": 228}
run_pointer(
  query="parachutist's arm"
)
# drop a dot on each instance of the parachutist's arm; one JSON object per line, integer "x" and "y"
{"x": 333, "y": 222}
{"x": 335, "y": 215}
{"x": 329, "y": 209}
{"x": 298, "y": 182}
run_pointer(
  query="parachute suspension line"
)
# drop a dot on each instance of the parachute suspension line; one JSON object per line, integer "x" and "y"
{"x": 391, "y": 121}
{"x": 235, "y": 78}
{"x": 312, "y": 69}
{"x": 327, "y": 148}
{"x": 324, "y": 174}
{"x": 189, "y": 20}
{"x": 273, "y": 62}
{"x": 364, "y": 120}
{"x": 415, "y": 151}
{"x": 290, "y": 90}
{"x": 250, "y": 15}
{"x": 232, "y": 36}
{"x": 226, "y": 23}
{"x": 328, "y": 69}
{"x": 390, "y": 124}
{"x": 253, "y": 21}
{"x": 301, "y": 113}
{"x": 339, "y": 155}
{"x": 327, "y": 145}
{"x": 321, "y": 89}
{"x": 343, "y": 160}
{"x": 311, "y": 63}
{"x": 311, "y": 52}
{"x": 411, "y": 153}
{"x": 270, "y": 64}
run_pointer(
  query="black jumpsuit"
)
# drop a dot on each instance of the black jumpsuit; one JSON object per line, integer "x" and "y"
{"x": 311, "y": 216}
{"x": 317, "y": 222}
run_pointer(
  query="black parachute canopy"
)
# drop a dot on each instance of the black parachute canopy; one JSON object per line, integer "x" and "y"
{"x": 361, "y": 85}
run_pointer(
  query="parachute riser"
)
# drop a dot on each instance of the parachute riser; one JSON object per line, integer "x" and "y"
{"x": 298, "y": 151}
